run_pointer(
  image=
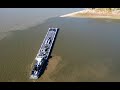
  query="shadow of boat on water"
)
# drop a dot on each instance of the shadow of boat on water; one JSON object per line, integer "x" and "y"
{"x": 44, "y": 67}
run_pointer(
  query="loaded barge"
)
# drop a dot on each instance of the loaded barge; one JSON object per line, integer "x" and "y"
{"x": 44, "y": 52}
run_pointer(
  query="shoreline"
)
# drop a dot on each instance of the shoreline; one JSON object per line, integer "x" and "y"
{"x": 71, "y": 14}
{"x": 92, "y": 14}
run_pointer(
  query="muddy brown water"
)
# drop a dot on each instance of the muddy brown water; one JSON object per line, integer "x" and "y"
{"x": 85, "y": 50}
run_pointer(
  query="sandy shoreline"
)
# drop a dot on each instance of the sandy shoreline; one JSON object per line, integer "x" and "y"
{"x": 91, "y": 14}
{"x": 71, "y": 14}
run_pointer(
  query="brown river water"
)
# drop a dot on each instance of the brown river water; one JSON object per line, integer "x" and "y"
{"x": 85, "y": 50}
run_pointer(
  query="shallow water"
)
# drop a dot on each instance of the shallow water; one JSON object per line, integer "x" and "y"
{"x": 22, "y": 18}
{"x": 85, "y": 50}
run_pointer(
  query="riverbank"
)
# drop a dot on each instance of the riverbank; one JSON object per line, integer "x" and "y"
{"x": 89, "y": 13}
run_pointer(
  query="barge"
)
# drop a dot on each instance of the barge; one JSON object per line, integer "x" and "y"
{"x": 44, "y": 52}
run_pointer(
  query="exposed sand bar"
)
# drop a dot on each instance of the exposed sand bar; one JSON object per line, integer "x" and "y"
{"x": 87, "y": 13}
{"x": 71, "y": 14}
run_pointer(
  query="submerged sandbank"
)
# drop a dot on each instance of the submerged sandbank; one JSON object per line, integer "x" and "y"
{"x": 4, "y": 34}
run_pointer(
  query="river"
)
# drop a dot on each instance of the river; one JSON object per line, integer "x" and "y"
{"x": 85, "y": 49}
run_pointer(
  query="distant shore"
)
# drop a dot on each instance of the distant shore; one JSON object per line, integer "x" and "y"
{"x": 88, "y": 13}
